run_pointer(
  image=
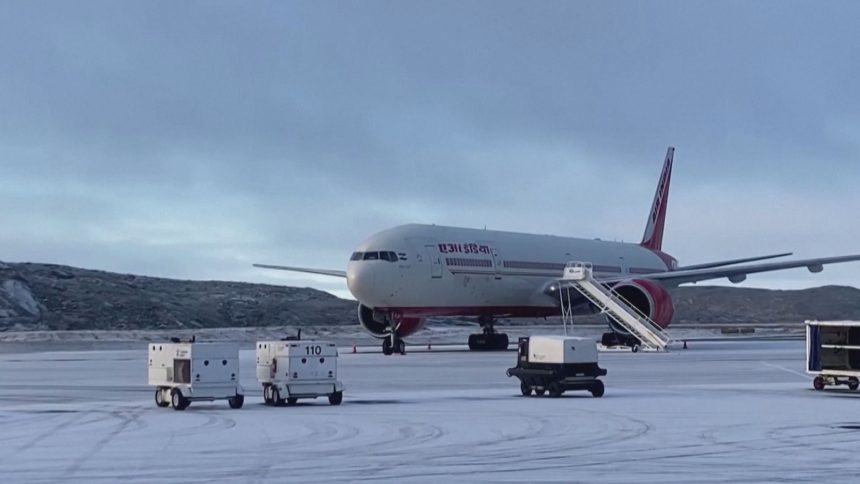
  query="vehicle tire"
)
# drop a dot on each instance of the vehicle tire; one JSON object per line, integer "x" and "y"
{"x": 267, "y": 395}
{"x": 159, "y": 398}
{"x": 178, "y": 401}
{"x": 276, "y": 397}
{"x": 853, "y": 383}
{"x": 525, "y": 389}
{"x": 236, "y": 401}
{"x": 818, "y": 383}
{"x": 292, "y": 400}
{"x": 539, "y": 391}
{"x": 387, "y": 350}
{"x": 635, "y": 348}
{"x": 597, "y": 389}
{"x": 400, "y": 347}
{"x": 555, "y": 390}
{"x": 335, "y": 398}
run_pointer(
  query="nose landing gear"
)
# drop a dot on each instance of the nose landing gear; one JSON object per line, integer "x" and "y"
{"x": 392, "y": 343}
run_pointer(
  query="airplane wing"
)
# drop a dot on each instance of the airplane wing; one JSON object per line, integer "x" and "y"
{"x": 736, "y": 273}
{"x": 325, "y": 272}
{"x": 732, "y": 262}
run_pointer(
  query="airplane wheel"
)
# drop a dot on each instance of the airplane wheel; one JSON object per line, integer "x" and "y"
{"x": 539, "y": 392}
{"x": 400, "y": 346}
{"x": 635, "y": 348}
{"x": 473, "y": 343}
{"x": 387, "y": 350}
{"x": 597, "y": 389}
{"x": 818, "y": 383}
{"x": 501, "y": 340}
{"x": 525, "y": 389}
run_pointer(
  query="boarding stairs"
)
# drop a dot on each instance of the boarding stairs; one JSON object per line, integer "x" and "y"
{"x": 580, "y": 276}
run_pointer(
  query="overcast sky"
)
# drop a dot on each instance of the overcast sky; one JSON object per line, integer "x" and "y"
{"x": 189, "y": 140}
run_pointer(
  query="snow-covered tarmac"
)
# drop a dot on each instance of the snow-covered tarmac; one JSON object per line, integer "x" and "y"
{"x": 717, "y": 412}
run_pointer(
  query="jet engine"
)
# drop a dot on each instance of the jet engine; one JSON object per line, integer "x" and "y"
{"x": 373, "y": 322}
{"x": 650, "y": 298}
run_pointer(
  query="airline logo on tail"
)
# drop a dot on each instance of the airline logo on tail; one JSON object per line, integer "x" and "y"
{"x": 653, "y": 237}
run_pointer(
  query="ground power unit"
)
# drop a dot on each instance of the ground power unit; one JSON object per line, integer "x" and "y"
{"x": 189, "y": 372}
{"x": 290, "y": 370}
{"x": 833, "y": 353}
{"x": 556, "y": 364}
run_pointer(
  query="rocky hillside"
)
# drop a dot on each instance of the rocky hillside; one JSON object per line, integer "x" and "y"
{"x": 51, "y": 297}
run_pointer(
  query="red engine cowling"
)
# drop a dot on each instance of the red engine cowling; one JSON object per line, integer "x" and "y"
{"x": 650, "y": 298}
{"x": 373, "y": 322}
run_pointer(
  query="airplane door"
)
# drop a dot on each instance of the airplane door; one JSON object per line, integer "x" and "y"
{"x": 435, "y": 260}
{"x": 497, "y": 263}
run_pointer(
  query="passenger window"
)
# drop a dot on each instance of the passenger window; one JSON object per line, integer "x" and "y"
{"x": 356, "y": 256}
{"x": 371, "y": 255}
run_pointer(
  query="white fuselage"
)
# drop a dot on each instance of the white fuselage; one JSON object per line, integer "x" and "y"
{"x": 427, "y": 270}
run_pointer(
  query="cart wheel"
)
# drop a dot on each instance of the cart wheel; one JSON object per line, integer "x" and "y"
{"x": 178, "y": 400}
{"x": 539, "y": 392}
{"x": 597, "y": 389}
{"x": 335, "y": 398}
{"x": 818, "y": 383}
{"x": 276, "y": 397}
{"x": 159, "y": 398}
{"x": 635, "y": 348}
{"x": 525, "y": 389}
{"x": 236, "y": 401}
{"x": 555, "y": 390}
{"x": 292, "y": 400}
{"x": 853, "y": 383}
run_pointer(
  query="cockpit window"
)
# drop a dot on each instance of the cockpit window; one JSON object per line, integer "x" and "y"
{"x": 371, "y": 255}
{"x": 357, "y": 256}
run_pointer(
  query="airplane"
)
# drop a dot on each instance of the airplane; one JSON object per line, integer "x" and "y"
{"x": 406, "y": 274}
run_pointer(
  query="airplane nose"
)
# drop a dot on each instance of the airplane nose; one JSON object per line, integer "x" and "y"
{"x": 360, "y": 280}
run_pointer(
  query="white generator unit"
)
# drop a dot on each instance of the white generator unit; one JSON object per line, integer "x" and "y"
{"x": 833, "y": 353}
{"x": 291, "y": 369}
{"x": 189, "y": 372}
{"x": 556, "y": 364}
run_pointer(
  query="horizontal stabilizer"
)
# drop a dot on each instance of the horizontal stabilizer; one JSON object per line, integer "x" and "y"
{"x": 722, "y": 263}
{"x": 324, "y": 272}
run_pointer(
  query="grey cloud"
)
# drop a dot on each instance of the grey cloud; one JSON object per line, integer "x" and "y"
{"x": 190, "y": 139}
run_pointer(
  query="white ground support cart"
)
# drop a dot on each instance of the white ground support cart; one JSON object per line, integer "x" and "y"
{"x": 191, "y": 372}
{"x": 833, "y": 353}
{"x": 556, "y": 364}
{"x": 290, "y": 370}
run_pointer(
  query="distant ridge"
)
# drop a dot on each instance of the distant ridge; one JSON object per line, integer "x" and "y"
{"x": 54, "y": 297}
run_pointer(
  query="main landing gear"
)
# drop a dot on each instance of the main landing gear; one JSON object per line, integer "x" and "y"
{"x": 619, "y": 339}
{"x": 488, "y": 339}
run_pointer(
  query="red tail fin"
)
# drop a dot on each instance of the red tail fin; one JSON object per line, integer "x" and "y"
{"x": 653, "y": 237}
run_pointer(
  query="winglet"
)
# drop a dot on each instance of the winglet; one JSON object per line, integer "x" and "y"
{"x": 653, "y": 237}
